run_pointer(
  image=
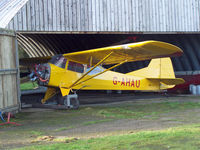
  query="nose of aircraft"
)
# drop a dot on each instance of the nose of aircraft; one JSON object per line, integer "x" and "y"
{"x": 41, "y": 73}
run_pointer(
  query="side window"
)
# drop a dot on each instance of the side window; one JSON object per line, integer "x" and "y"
{"x": 73, "y": 66}
{"x": 61, "y": 63}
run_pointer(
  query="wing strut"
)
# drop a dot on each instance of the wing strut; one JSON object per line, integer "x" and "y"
{"x": 101, "y": 72}
{"x": 90, "y": 70}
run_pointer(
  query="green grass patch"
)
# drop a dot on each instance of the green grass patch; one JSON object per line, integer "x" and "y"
{"x": 28, "y": 86}
{"x": 63, "y": 129}
{"x": 174, "y": 138}
{"x": 99, "y": 114}
{"x": 142, "y": 111}
{"x": 48, "y": 122}
{"x": 36, "y": 133}
{"x": 96, "y": 121}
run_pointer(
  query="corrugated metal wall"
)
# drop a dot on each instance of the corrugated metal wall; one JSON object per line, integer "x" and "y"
{"x": 109, "y": 15}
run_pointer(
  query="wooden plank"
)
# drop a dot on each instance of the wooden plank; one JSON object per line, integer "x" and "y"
{"x": 86, "y": 15}
{"x": 196, "y": 16}
{"x": 186, "y": 14}
{"x": 46, "y": 26}
{"x": 14, "y": 97}
{"x": 90, "y": 15}
{"x": 66, "y": 15}
{"x": 37, "y": 16}
{"x": 1, "y": 91}
{"x": 74, "y": 15}
{"x": 157, "y": 21}
{"x": 105, "y": 15}
{"x": 19, "y": 20}
{"x": 5, "y": 90}
{"x": 70, "y": 9}
{"x": 50, "y": 15}
{"x": 126, "y": 15}
{"x": 94, "y": 25}
{"x": 108, "y": 15}
{"x": 1, "y": 76}
{"x": 169, "y": 17}
{"x": 9, "y": 89}
{"x": 136, "y": 15}
{"x": 78, "y": 15}
{"x": 101, "y": 19}
{"x": 24, "y": 19}
{"x": 58, "y": 21}
{"x": 5, "y": 52}
{"x": 147, "y": 13}
{"x": 130, "y": 18}
{"x": 33, "y": 23}
{"x": 62, "y": 15}
{"x": 28, "y": 16}
{"x": 1, "y": 56}
{"x": 116, "y": 14}
{"x": 123, "y": 15}
{"x": 41, "y": 14}
{"x": 54, "y": 15}
{"x": 82, "y": 15}
{"x": 97, "y": 15}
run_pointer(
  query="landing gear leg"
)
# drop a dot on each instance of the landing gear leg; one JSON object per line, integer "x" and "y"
{"x": 71, "y": 101}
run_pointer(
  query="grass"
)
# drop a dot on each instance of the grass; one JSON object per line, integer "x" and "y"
{"x": 100, "y": 114}
{"x": 28, "y": 85}
{"x": 50, "y": 122}
{"x": 96, "y": 121}
{"x": 185, "y": 137}
{"x": 152, "y": 110}
{"x": 63, "y": 128}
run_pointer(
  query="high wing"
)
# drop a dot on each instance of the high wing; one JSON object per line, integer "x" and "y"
{"x": 129, "y": 52}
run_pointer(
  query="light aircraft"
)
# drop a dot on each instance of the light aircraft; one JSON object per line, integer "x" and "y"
{"x": 83, "y": 70}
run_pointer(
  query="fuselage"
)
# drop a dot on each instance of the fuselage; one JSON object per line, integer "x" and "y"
{"x": 109, "y": 80}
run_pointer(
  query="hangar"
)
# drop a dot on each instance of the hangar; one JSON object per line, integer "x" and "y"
{"x": 48, "y": 27}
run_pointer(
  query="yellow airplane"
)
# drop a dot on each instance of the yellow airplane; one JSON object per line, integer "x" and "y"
{"x": 83, "y": 70}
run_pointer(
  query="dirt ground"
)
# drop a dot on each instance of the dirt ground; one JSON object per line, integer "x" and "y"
{"x": 84, "y": 123}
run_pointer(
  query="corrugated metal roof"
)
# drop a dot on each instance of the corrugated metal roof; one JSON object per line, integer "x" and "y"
{"x": 8, "y": 9}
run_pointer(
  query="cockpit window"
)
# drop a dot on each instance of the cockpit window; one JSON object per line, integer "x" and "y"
{"x": 98, "y": 69}
{"x": 59, "y": 61}
{"x": 73, "y": 66}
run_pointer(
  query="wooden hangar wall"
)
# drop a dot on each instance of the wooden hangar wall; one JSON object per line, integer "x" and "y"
{"x": 48, "y": 27}
{"x": 108, "y": 16}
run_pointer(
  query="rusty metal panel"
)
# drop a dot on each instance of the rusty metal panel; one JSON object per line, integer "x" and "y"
{"x": 9, "y": 96}
{"x": 108, "y": 16}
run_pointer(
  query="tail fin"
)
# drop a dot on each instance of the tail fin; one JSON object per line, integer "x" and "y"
{"x": 159, "y": 69}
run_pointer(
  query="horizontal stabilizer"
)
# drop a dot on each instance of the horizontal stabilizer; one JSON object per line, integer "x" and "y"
{"x": 169, "y": 81}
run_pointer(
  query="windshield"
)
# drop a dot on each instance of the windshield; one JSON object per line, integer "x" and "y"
{"x": 58, "y": 60}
